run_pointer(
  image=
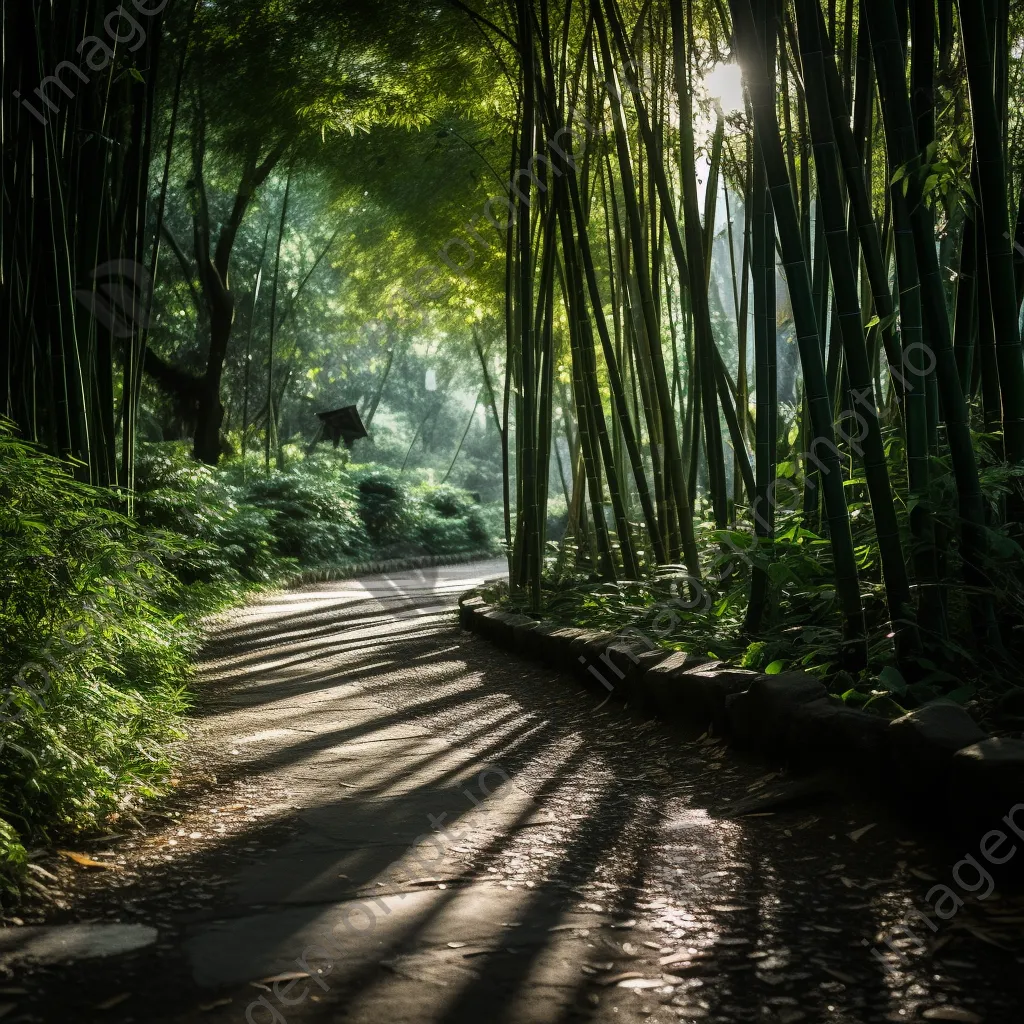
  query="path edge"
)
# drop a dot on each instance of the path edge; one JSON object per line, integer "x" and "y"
{"x": 935, "y": 761}
{"x": 350, "y": 570}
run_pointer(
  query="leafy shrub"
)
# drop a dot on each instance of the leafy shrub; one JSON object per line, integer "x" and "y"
{"x": 440, "y": 535}
{"x": 314, "y": 517}
{"x": 93, "y": 665}
{"x": 383, "y": 503}
{"x": 449, "y": 521}
{"x": 450, "y": 503}
{"x": 231, "y": 542}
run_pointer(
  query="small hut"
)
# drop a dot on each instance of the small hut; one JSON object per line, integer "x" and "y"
{"x": 341, "y": 425}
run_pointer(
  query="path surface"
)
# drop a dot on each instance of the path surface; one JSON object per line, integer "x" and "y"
{"x": 433, "y": 832}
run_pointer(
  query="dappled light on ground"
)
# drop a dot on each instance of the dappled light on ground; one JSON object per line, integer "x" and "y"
{"x": 440, "y": 832}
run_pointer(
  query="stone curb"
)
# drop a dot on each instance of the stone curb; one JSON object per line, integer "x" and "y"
{"x": 349, "y": 570}
{"x": 934, "y": 760}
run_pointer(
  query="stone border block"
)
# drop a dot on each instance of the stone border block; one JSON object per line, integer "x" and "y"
{"x": 468, "y": 607}
{"x": 922, "y": 744}
{"x": 586, "y": 653}
{"x": 936, "y": 754}
{"x": 986, "y": 781}
{"x": 826, "y": 730}
{"x": 706, "y": 694}
{"x": 550, "y": 643}
{"x": 498, "y": 626}
{"x": 758, "y": 717}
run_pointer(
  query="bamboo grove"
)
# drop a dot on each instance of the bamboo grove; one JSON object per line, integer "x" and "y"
{"x": 870, "y": 176}
{"x": 78, "y": 137}
{"x": 765, "y": 346}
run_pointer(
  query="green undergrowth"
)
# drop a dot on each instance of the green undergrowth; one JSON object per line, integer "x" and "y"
{"x": 102, "y": 603}
{"x": 801, "y": 628}
{"x": 248, "y": 527}
{"x": 95, "y": 655}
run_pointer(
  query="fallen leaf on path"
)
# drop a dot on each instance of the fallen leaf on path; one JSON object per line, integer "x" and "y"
{"x": 641, "y": 983}
{"x": 40, "y": 870}
{"x": 287, "y": 976}
{"x": 207, "y": 1007}
{"x": 674, "y": 958}
{"x": 616, "y": 978}
{"x": 232, "y": 807}
{"x": 86, "y": 861}
{"x": 858, "y": 832}
{"x": 791, "y": 1016}
{"x": 849, "y": 979}
{"x": 763, "y": 781}
{"x": 984, "y": 936}
{"x": 457, "y": 945}
{"x": 631, "y": 923}
{"x": 952, "y": 1013}
{"x": 109, "y": 1004}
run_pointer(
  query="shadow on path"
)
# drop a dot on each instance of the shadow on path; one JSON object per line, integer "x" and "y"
{"x": 454, "y": 835}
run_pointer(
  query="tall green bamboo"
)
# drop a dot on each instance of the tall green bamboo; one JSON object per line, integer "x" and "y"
{"x": 988, "y": 149}
{"x": 766, "y": 128}
{"x": 673, "y": 459}
{"x": 905, "y": 155}
{"x": 698, "y": 271}
{"x": 268, "y": 440}
{"x": 576, "y": 246}
{"x": 762, "y": 247}
{"x": 848, "y": 314}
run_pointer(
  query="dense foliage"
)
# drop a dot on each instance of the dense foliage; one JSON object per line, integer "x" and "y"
{"x": 777, "y": 246}
{"x": 95, "y": 655}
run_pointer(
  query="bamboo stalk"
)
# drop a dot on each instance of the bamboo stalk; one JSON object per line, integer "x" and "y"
{"x": 847, "y": 314}
{"x": 762, "y": 100}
